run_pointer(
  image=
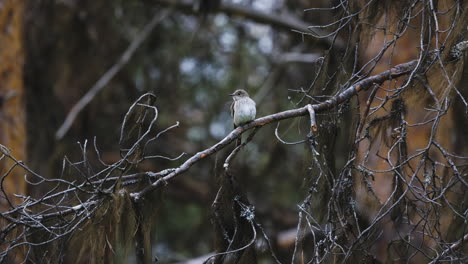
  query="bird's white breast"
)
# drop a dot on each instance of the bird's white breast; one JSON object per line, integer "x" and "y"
{"x": 245, "y": 111}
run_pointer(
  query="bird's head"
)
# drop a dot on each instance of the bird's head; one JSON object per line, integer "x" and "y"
{"x": 239, "y": 94}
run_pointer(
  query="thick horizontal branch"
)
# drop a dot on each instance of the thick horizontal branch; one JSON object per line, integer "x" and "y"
{"x": 280, "y": 20}
{"x": 364, "y": 84}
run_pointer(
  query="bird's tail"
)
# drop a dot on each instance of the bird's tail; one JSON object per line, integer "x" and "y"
{"x": 239, "y": 140}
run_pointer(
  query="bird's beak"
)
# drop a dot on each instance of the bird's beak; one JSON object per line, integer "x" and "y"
{"x": 231, "y": 94}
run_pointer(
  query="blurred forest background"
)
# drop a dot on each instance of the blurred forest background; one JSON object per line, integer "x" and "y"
{"x": 383, "y": 180}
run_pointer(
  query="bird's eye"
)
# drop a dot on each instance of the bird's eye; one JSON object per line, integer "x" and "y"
{"x": 238, "y": 93}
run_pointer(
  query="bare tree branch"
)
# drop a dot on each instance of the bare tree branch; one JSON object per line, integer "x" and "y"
{"x": 280, "y": 20}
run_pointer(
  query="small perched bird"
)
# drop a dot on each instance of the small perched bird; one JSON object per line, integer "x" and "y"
{"x": 243, "y": 108}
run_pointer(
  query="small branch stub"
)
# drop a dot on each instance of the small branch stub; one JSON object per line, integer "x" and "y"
{"x": 313, "y": 124}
